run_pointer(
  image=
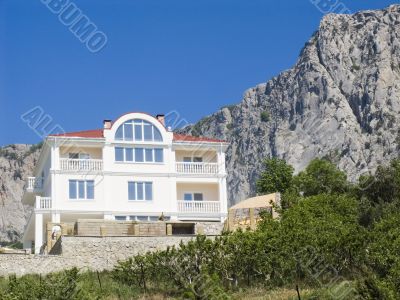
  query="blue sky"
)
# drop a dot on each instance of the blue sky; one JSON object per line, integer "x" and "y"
{"x": 192, "y": 57}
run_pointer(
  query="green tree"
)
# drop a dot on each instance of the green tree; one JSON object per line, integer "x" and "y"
{"x": 276, "y": 177}
{"x": 321, "y": 176}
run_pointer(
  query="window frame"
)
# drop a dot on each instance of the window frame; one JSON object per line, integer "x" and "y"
{"x": 141, "y": 153}
{"x": 192, "y": 196}
{"x": 143, "y": 193}
{"x": 133, "y": 124}
{"x": 81, "y": 186}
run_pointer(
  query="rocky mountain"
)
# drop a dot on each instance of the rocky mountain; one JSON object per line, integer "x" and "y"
{"x": 341, "y": 100}
{"x": 16, "y": 164}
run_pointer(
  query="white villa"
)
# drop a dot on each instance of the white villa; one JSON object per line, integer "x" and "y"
{"x": 132, "y": 169}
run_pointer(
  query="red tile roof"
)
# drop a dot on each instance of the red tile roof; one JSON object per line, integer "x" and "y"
{"x": 96, "y": 133}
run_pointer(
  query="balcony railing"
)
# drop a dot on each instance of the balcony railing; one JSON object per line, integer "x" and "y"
{"x": 196, "y": 168}
{"x": 67, "y": 164}
{"x": 34, "y": 184}
{"x": 199, "y": 206}
{"x": 43, "y": 202}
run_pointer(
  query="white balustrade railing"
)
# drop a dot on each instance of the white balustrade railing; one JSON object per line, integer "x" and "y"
{"x": 196, "y": 168}
{"x": 199, "y": 206}
{"x": 67, "y": 164}
{"x": 34, "y": 183}
{"x": 43, "y": 202}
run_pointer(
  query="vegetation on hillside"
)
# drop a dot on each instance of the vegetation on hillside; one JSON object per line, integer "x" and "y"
{"x": 333, "y": 240}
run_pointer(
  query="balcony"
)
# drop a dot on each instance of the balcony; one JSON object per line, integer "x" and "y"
{"x": 43, "y": 203}
{"x": 199, "y": 206}
{"x": 196, "y": 168}
{"x": 67, "y": 164}
{"x": 34, "y": 184}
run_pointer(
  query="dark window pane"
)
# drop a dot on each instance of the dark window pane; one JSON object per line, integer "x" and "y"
{"x": 139, "y": 155}
{"x": 142, "y": 218}
{"x": 198, "y": 197}
{"x": 119, "y": 154}
{"x": 90, "y": 189}
{"x": 128, "y": 154}
{"x": 159, "y": 155}
{"x": 153, "y": 218}
{"x": 140, "y": 195}
{"x": 149, "y": 155}
{"x": 149, "y": 190}
{"x": 198, "y": 159}
{"x": 72, "y": 189}
{"x": 131, "y": 191}
{"x": 120, "y": 218}
{"x": 73, "y": 155}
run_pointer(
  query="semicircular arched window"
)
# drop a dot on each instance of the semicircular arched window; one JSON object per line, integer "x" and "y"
{"x": 138, "y": 130}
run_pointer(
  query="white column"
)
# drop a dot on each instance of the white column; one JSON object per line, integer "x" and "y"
{"x": 221, "y": 162}
{"x": 38, "y": 232}
{"x": 173, "y": 198}
{"x": 223, "y": 199}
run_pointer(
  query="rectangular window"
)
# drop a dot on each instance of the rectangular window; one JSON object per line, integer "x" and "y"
{"x": 159, "y": 155}
{"x": 139, "y": 155}
{"x": 72, "y": 189}
{"x": 149, "y": 155}
{"x": 142, "y": 218}
{"x": 90, "y": 189}
{"x": 140, "y": 190}
{"x": 187, "y": 159}
{"x": 73, "y": 155}
{"x": 131, "y": 191}
{"x": 188, "y": 197}
{"x": 81, "y": 189}
{"x": 197, "y": 159}
{"x": 120, "y": 218}
{"x": 198, "y": 197}
{"x": 128, "y": 154}
{"x": 119, "y": 154}
{"x": 148, "y": 192}
{"x": 138, "y": 132}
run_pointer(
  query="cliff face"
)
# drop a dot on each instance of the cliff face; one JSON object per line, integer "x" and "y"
{"x": 341, "y": 99}
{"x": 16, "y": 164}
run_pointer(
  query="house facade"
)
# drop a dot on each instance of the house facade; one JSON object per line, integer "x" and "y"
{"x": 132, "y": 169}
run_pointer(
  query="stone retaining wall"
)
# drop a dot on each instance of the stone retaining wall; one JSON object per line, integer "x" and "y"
{"x": 94, "y": 253}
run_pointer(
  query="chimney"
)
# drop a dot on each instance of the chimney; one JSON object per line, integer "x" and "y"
{"x": 161, "y": 118}
{"x": 107, "y": 124}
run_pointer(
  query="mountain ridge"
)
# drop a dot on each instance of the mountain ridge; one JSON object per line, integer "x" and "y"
{"x": 339, "y": 100}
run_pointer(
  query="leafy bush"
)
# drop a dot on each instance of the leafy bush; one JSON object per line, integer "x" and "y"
{"x": 265, "y": 116}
